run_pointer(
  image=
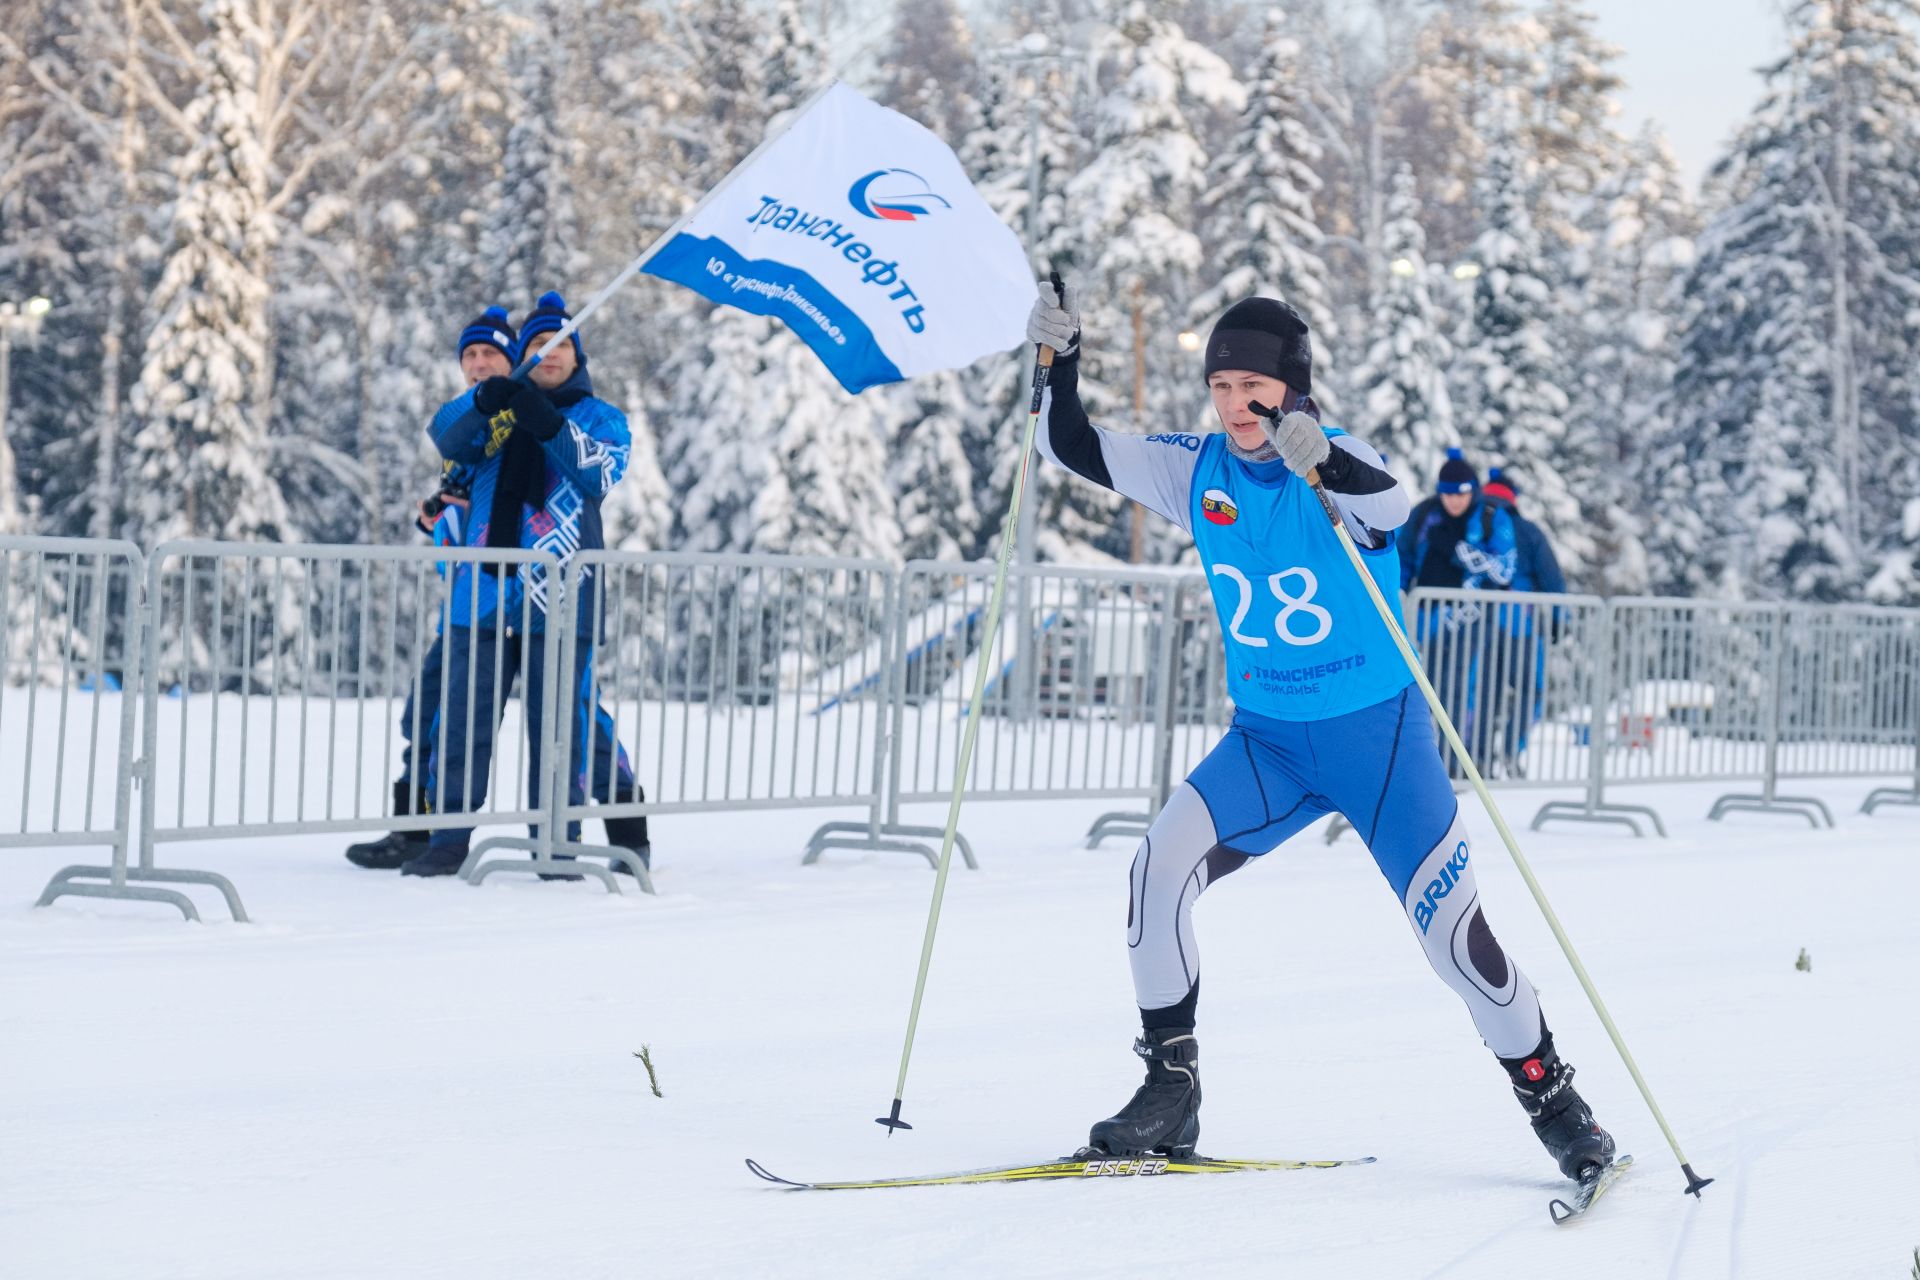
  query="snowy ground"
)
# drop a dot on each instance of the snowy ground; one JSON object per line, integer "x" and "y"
{"x": 388, "y": 1078}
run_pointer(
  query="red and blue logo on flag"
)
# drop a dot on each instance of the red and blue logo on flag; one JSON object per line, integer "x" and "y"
{"x": 903, "y": 196}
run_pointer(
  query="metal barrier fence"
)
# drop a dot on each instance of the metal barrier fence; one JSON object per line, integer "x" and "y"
{"x": 272, "y": 690}
{"x": 742, "y": 682}
{"x": 1078, "y": 703}
{"x": 1521, "y": 675}
{"x": 69, "y": 676}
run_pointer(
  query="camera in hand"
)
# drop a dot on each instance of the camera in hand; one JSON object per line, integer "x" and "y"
{"x": 438, "y": 502}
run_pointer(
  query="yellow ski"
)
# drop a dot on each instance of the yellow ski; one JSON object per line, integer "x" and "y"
{"x": 1074, "y": 1166}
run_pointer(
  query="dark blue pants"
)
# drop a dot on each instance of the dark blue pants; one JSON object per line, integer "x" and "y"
{"x": 425, "y": 694}
{"x": 460, "y": 747}
{"x": 610, "y": 760}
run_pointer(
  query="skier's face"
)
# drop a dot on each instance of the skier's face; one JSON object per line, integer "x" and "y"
{"x": 556, "y": 366}
{"x": 480, "y": 362}
{"x": 1233, "y": 390}
{"x": 1456, "y": 504}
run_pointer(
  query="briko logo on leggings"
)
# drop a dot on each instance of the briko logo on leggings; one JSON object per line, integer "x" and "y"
{"x": 1440, "y": 886}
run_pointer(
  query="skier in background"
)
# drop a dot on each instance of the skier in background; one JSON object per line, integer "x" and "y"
{"x": 1326, "y": 720}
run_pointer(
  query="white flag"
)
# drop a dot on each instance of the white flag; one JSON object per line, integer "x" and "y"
{"x": 859, "y": 229}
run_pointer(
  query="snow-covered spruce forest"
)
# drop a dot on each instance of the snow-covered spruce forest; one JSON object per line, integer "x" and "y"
{"x": 263, "y": 222}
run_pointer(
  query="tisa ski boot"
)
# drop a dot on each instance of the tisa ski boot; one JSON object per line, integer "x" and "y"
{"x": 1163, "y": 1117}
{"x": 1561, "y": 1118}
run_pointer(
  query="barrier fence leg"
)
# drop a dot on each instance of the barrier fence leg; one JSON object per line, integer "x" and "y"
{"x": 1910, "y": 794}
{"x": 1595, "y": 808}
{"x": 883, "y": 832}
{"x": 1811, "y": 808}
{"x": 139, "y": 695}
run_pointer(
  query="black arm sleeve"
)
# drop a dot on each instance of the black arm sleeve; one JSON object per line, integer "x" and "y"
{"x": 1343, "y": 472}
{"x": 1076, "y": 445}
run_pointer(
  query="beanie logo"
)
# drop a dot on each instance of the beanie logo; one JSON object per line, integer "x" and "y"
{"x": 1222, "y": 353}
{"x": 1218, "y": 508}
{"x": 903, "y": 196}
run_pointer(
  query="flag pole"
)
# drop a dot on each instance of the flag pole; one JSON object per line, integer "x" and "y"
{"x": 1694, "y": 1181}
{"x": 665, "y": 238}
{"x": 1009, "y": 537}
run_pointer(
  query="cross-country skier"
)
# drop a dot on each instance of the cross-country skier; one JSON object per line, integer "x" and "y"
{"x": 1327, "y": 717}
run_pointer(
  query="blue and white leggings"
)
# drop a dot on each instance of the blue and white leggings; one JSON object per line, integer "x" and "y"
{"x": 1266, "y": 780}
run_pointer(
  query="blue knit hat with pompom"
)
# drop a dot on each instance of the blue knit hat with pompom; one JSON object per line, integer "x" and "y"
{"x": 489, "y": 328}
{"x": 549, "y": 315}
{"x": 1457, "y": 475}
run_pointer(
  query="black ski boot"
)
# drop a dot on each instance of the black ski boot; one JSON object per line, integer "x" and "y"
{"x": 395, "y": 847}
{"x": 1163, "y": 1116}
{"x": 1562, "y": 1120}
{"x": 630, "y": 833}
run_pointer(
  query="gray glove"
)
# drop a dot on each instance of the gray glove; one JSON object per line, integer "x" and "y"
{"x": 1055, "y": 322}
{"x": 1302, "y": 444}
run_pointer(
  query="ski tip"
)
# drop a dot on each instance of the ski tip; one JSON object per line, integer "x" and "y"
{"x": 760, "y": 1171}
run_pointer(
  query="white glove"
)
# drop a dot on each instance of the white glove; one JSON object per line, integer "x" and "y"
{"x": 1055, "y": 322}
{"x": 1302, "y": 444}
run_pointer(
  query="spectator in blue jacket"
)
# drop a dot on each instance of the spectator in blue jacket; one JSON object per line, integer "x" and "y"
{"x": 1537, "y": 568}
{"x": 542, "y": 454}
{"x": 1459, "y": 538}
{"x": 485, "y": 350}
{"x": 1456, "y": 538}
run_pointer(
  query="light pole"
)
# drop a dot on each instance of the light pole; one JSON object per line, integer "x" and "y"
{"x": 24, "y": 319}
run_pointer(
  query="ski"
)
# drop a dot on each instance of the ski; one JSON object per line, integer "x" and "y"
{"x": 1565, "y": 1211}
{"x": 1074, "y": 1166}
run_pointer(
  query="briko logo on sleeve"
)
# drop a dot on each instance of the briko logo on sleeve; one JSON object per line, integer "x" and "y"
{"x": 1217, "y": 507}
{"x": 894, "y": 195}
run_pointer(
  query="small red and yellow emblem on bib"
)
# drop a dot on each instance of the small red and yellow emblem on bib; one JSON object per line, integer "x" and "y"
{"x": 1217, "y": 507}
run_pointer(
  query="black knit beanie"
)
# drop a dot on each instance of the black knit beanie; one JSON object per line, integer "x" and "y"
{"x": 1263, "y": 335}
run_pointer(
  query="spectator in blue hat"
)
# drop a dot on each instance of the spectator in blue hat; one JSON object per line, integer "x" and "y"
{"x": 542, "y": 454}
{"x": 485, "y": 350}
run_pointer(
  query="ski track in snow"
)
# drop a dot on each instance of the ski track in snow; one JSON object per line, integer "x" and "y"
{"x": 430, "y": 1079}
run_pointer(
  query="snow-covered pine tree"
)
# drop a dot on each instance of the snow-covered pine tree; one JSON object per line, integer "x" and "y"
{"x": 715, "y": 440}
{"x": 721, "y": 461}
{"x": 928, "y": 468}
{"x": 1571, "y": 106}
{"x": 1400, "y": 403}
{"x": 1026, "y": 141}
{"x": 828, "y": 445}
{"x": 533, "y": 232}
{"x": 1509, "y": 401}
{"x": 372, "y": 269}
{"x": 1133, "y": 204}
{"x": 1471, "y": 56}
{"x": 80, "y": 218}
{"x": 928, "y": 70}
{"x": 199, "y": 458}
{"x": 1260, "y": 196}
{"x": 1639, "y": 226}
{"x": 1791, "y": 385}
{"x": 794, "y": 65}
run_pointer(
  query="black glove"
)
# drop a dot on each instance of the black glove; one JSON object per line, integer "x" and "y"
{"x": 532, "y": 411}
{"x": 534, "y": 414}
{"x": 495, "y": 394}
